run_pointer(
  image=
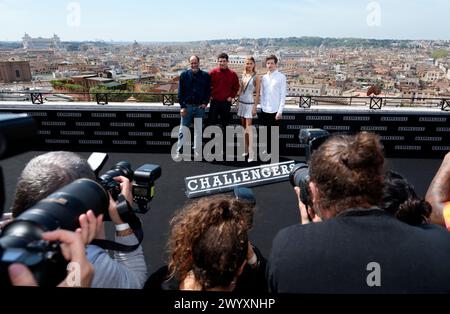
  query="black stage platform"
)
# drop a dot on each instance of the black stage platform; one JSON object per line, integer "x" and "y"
{"x": 277, "y": 206}
{"x": 122, "y": 127}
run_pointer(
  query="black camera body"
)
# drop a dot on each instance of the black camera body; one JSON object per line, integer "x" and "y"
{"x": 143, "y": 183}
{"x": 299, "y": 175}
{"x": 44, "y": 260}
{"x": 313, "y": 138}
{"x": 20, "y": 240}
{"x": 122, "y": 168}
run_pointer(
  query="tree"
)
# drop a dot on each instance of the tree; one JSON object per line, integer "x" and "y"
{"x": 441, "y": 53}
{"x": 74, "y": 87}
{"x": 130, "y": 85}
{"x": 57, "y": 84}
{"x": 113, "y": 95}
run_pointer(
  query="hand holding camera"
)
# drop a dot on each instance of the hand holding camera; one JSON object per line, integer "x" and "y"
{"x": 125, "y": 190}
{"x": 299, "y": 176}
{"x": 141, "y": 192}
{"x": 125, "y": 204}
{"x": 90, "y": 226}
{"x": 22, "y": 242}
{"x": 304, "y": 216}
{"x": 307, "y": 214}
{"x": 72, "y": 248}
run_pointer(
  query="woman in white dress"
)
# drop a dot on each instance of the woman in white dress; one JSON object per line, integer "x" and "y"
{"x": 248, "y": 101}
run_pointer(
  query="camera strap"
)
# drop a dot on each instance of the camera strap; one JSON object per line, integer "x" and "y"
{"x": 126, "y": 213}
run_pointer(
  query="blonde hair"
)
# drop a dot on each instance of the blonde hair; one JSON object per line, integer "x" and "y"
{"x": 254, "y": 62}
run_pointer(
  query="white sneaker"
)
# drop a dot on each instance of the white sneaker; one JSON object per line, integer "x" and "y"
{"x": 177, "y": 157}
{"x": 244, "y": 154}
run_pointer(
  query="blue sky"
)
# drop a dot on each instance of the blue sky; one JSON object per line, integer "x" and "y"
{"x": 178, "y": 20}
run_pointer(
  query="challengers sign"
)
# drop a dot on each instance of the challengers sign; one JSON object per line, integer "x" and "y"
{"x": 226, "y": 181}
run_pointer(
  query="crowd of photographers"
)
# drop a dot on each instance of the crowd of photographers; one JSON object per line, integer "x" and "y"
{"x": 47, "y": 173}
{"x": 362, "y": 229}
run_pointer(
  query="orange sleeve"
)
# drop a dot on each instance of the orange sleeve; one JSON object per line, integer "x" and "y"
{"x": 447, "y": 215}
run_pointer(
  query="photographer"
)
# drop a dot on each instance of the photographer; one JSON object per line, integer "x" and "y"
{"x": 358, "y": 247}
{"x": 45, "y": 174}
{"x": 209, "y": 249}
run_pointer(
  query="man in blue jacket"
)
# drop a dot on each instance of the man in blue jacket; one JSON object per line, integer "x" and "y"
{"x": 194, "y": 91}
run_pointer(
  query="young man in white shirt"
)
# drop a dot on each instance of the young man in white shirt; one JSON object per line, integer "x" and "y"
{"x": 273, "y": 96}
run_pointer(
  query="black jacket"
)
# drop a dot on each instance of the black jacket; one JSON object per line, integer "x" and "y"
{"x": 252, "y": 280}
{"x": 339, "y": 254}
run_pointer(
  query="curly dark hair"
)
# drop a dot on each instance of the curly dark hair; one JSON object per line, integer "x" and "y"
{"x": 209, "y": 236}
{"x": 348, "y": 171}
{"x": 401, "y": 200}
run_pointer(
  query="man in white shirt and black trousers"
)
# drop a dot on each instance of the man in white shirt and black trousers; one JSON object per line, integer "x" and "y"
{"x": 273, "y": 97}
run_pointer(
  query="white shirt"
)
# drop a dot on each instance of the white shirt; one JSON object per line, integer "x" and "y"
{"x": 273, "y": 92}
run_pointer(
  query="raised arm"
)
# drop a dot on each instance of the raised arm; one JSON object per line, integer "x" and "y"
{"x": 439, "y": 191}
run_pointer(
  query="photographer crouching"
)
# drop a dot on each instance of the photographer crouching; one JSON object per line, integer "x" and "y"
{"x": 47, "y": 173}
{"x": 356, "y": 247}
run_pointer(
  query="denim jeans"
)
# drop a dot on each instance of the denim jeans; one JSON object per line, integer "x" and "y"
{"x": 193, "y": 112}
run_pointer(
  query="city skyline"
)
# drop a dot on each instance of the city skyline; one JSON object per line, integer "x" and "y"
{"x": 160, "y": 22}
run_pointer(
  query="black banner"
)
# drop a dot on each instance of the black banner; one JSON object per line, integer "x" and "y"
{"x": 404, "y": 133}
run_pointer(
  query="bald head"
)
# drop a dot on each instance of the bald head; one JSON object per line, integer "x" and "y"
{"x": 195, "y": 63}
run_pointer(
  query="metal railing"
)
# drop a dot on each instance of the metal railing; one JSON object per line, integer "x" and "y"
{"x": 101, "y": 98}
{"x": 373, "y": 102}
{"x": 169, "y": 99}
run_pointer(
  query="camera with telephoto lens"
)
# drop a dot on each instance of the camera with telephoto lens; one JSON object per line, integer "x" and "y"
{"x": 21, "y": 239}
{"x": 143, "y": 183}
{"x": 299, "y": 175}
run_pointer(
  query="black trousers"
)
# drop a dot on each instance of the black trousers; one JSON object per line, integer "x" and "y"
{"x": 268, "y": 120}
{"x": 220, "y": 111}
